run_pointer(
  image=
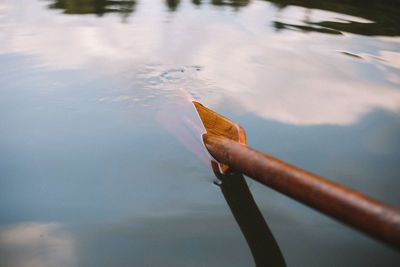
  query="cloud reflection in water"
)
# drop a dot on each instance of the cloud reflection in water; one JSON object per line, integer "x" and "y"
{"x": 289, "y": 77}
{"x": 36, "y": 245}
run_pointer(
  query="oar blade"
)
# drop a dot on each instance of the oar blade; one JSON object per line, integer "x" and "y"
{"x": 217, "y": 124}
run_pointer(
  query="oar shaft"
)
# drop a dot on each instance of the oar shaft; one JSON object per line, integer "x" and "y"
{"x": 348, "y": 206}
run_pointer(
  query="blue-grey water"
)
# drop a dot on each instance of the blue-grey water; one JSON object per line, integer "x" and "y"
{"x": 89, "y": 176}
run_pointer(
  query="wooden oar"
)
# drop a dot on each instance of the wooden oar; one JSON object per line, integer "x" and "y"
{"x": 226, "y": 142}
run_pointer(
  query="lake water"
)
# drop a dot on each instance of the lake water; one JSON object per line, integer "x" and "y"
{"x": 90, "y": 176}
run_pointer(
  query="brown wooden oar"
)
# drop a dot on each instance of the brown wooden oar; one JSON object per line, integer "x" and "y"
{"x": 226, "y": 142}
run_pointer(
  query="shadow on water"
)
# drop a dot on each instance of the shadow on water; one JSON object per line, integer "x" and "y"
{"x": 263, "y": 246}
{"x": 172, "y": 4}
{"x": 383, "y": 16}
{"x": 196, "y": 2}
{"x": 236, "y": 4}
{"x": 98, "y": 7}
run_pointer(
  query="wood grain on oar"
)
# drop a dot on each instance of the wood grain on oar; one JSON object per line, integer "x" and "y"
{"x": 219, "y": 125}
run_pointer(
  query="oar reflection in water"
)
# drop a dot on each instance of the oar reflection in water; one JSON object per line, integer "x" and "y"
{"x": 180, "y": 118}
{"x": 263, "y": 246}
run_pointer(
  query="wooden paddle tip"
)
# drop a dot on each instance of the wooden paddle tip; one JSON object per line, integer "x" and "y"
{"x": 218, "y": 125}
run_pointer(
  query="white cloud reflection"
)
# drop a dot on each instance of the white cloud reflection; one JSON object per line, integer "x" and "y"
{"x": 391, "y": 58}
{"x": 36, "y": 245}
{"x": 289, "y": 77}
{"x": 309, "y": 88}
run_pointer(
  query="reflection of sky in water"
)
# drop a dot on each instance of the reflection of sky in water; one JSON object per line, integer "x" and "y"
{"x": 80, "y": 143}
{"x": 35, "y": 244}
{"x": 294, "y": 78}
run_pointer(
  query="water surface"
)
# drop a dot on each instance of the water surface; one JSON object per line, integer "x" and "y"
{"x": 90, "y": 177}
